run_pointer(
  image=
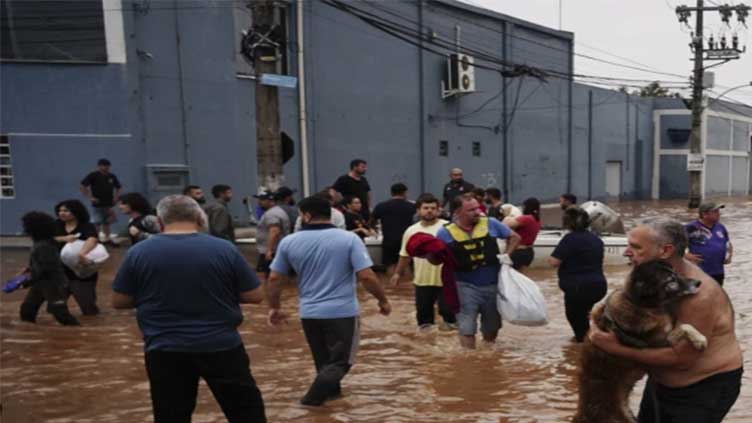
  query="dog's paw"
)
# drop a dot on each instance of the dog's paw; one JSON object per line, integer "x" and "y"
{"x": 698, "y": 340}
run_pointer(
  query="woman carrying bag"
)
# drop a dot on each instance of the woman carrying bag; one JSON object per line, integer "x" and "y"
{"x": 73, "y": 224}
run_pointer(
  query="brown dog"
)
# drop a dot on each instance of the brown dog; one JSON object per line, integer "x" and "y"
{"x": 639, "y": 316}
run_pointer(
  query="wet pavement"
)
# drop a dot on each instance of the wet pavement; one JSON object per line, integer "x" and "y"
{"x": 95, "y": 373}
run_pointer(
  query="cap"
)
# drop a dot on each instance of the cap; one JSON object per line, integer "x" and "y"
{"x": 283, "y": 192}
{"x": 706, "y": 207}
{"x": 264, "y": 194}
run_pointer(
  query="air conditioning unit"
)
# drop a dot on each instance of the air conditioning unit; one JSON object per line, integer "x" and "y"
{"x": 463, "y": 73}
{"x": 460, "y": 75}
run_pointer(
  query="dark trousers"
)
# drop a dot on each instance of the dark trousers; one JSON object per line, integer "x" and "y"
{"x": 52, "y": 292}
{"x": 425, "y": 298}
{"x": 706, "y": 401}
{"x": 173, "y": 377}
{"x": 579, "y": 299}
{"x": 85, "y": 294}
{"x": 719, "y": 278}
{"x": 333, "y": 343}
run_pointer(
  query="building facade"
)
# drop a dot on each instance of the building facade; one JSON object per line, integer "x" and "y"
{"x": 171, "y": 102}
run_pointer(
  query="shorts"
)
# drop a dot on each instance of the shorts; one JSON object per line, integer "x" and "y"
{"x": 263, "y": 265}
{"x": 474, "y": 300}
{"x": 706, "y": 401}
{"x": 102, "y": 215}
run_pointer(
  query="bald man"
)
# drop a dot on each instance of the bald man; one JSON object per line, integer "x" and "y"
{"x": 456, "y": 186}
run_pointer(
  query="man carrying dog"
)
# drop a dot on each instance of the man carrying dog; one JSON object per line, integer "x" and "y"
{"x": 685, "y": 385}
{"x": 472, "y": 240}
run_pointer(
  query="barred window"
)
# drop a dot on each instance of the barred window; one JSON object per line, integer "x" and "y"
{"x": 7, "y": 189}
{"x": 52, "y": 31}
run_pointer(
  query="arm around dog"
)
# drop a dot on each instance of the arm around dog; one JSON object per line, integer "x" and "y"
{"x": 697, "y": 311}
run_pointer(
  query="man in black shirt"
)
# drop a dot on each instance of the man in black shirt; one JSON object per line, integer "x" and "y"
{"x": 456, "y": 186}
{"x": 396, "y": 215}
{"x": 102, "y": 188}
{"x": 354, "y": 184}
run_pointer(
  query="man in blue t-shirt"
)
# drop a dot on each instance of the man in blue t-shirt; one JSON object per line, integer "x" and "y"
{"x": 186, "y": 287}
{"x": 709, "y": 244}
{"x": 472, "y": 240}
{"x": 328, "y": 262}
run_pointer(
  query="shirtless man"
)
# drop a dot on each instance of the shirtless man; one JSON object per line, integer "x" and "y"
{"x": 684, "y": 385}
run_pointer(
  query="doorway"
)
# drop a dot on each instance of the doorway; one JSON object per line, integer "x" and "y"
{"x": 613, "y": 179}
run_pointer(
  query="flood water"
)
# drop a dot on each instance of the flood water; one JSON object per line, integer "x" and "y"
{"x": 95, "y": 373}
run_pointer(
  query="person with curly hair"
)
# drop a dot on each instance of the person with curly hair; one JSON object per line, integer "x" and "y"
{"x": 73, "y": 224}
{"x": 46, "y": 276}
{"x": 143, "y": 223}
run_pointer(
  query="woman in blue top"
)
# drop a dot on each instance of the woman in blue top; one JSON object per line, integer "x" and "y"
{"x": 579, "y": 258}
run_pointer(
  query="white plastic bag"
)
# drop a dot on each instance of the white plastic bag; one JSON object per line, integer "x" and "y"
{"x": 69, "y": 257}
{"x": 519, "y": 299}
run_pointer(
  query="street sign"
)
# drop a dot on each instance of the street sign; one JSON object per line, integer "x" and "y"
{"x": 278, "y": 80}
{"x": 695, "y": 162}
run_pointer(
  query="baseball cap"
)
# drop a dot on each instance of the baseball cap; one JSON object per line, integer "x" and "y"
{"x": 264, "y": 194}
{"x": 710, "y": 206}
{"x": 283, "y": 192}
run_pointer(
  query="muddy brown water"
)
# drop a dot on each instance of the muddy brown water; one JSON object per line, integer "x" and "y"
{"x": 95, "y": 373}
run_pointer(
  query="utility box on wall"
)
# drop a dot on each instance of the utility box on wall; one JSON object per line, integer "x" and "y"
{"x": 165, "y": 179}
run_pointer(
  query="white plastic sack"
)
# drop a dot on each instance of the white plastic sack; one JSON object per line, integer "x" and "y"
{"x": 519, "y": 300}
{"x": 69, "y": 257}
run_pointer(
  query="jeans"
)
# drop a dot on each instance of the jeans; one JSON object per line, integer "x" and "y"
{"x": 475, "y": 300}
{"x": 173, "y": 377}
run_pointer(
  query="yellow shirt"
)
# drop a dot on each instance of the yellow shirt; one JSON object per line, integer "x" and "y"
{"x": 426, "y": 274}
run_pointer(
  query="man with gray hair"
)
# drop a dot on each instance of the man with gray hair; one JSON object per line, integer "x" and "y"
{"x": 684, "y": 385}
{"x": 186, "y": 287}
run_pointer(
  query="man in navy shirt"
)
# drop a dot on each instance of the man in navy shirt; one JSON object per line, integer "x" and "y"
{"x": 328, "y": 262}
{"x": 709, "y": 244}
{"x": 186, "y": 287}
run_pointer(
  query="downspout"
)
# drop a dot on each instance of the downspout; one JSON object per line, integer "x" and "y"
{"x": 505, "y": 124}
{"x": 569, "y": 116}
{"x": 302, "y": 102}
{"x": 183, "y": 121}
{"x": 590, "y": 146}
{"x": 422, "y": 105}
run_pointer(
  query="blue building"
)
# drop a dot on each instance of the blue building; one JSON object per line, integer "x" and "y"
{"x": 160, "y": 88}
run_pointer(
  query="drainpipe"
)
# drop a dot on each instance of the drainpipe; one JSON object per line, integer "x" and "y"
{"x": 183, "y": 121}
{"x": 422, "y": 105}
{"x": 302, "y": 102}
{"x": 569, "y": 117}
{"x": 590, "y": 146}
{"x": 507, "y": 175}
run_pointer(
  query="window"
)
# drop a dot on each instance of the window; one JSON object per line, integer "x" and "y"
{"x": 444, "y": 148}
{"x": 7, "y": 188}
{"x": 53, "y": 31}
{"x": 679, "y": 136}
{"x": 476, "y": 149}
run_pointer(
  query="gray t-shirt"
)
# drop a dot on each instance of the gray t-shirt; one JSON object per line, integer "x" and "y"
{"x": 274, "y": 216}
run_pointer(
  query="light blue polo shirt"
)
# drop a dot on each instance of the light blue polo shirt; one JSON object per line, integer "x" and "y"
{"x": 326, "y": 260}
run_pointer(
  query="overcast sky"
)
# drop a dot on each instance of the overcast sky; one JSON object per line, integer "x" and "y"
{"x": 644, "y": 31}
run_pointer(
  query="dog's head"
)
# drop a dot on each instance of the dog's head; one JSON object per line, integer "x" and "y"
{"x": 655, "y": 284}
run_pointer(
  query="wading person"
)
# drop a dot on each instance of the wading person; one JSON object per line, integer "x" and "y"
{"x": 567, "y": 200}
{"x": 72, "y": 225}
{"x": 46, "y": 276}
{"x": 709, "y": 244}
{"x": 354, "y": 221}
{"x": 472, "y": 240}
{"x": 141, "y": 223}
{"x": 102, "y": 188}
{"x": 527, "y": 226}
{"x": 272, "y": 227}
{"x": 186, "y": 287}
{"x": 685, "y": 385}
{"x": 456, "y": 186}
{"x": 195, "y": 192}
{"x": 579, "y": 260}
{"x": 395, "y": 215}
{"x": 329, "y": 262}
{"x": 426, "y": 276}
{"x": 218, "y": 213}
{"x": 355, "y": 184}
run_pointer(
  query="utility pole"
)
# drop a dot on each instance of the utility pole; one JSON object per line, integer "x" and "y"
{"x": 268, "y": 143}
{"x": 722, "y": 54}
